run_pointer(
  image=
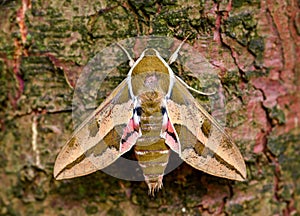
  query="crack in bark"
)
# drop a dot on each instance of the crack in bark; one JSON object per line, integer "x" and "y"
{"x": 274, "y": 160}
{"x": 20, "y": 50}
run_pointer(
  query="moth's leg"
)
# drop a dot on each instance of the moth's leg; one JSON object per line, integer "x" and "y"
{"x": 131, "y": 61}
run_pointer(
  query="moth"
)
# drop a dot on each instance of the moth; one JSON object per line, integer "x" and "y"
{"x": 156, "y": 114}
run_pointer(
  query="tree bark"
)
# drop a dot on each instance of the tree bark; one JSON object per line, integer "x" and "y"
{"x": 254, "y": 46}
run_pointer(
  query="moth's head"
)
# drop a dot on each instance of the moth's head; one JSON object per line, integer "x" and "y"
{"x": 150, "y": 52}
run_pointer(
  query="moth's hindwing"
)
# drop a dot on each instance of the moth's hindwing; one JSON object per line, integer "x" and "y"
{"x": 97, "y": 141}
{"x": 203, "y": 143}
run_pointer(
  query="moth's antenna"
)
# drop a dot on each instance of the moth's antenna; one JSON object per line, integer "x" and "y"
{"x": 174, "y": 57}
{"x": 131, "y": 61}
{"x": 194, "y": 90}
{"x": 175, "y": 54}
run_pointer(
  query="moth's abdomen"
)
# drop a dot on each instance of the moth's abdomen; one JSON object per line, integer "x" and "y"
{"x": 150, "y": 149}
{"x": 153, "y": 159}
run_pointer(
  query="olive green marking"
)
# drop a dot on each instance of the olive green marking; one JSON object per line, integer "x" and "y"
{"x": 93, "y": 127}
{"x": 152, "y": 150}
{"x": 150, "y": 64}
{"x": 153, "y": 158}
{"x": 112, "y": 139}
{"x": 72, "y": 142}
{"x": 154, "y": 170}
{"x": 77, "y": 161}
{"x": 206, "y": 127}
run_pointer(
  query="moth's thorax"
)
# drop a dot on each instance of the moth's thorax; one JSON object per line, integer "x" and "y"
{"x": 150, "y": 81}
{"x": 150, "y": 63}
{"x": 150, "y": 73}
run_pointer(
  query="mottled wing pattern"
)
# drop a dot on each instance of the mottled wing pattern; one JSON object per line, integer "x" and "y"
{"x": 97, "y": 142}
{"x": 203, "y": 143}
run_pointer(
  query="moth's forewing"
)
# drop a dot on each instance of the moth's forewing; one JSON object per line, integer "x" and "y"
{"x": 204, "y": 144}
{"x": 96, "y": 143}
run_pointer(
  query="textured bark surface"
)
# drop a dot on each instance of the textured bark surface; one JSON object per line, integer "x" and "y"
{"x": 255, "y": 46}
